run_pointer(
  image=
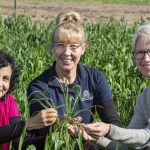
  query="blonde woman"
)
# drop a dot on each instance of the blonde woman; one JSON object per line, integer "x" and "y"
{"x": 68, "y": 43}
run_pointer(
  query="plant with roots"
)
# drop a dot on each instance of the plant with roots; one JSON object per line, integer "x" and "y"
{"x": 59, "y": 137}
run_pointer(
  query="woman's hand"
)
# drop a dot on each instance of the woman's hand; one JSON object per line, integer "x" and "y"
{"x": 96, "y": 130}
{"x": 42, "y": 119}
{"x": 76, "y": 127}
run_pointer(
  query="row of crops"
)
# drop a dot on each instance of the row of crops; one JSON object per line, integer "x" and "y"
{"x": 109, "y": 50}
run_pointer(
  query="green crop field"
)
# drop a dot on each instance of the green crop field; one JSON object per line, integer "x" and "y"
{"x": 109, "y": 50}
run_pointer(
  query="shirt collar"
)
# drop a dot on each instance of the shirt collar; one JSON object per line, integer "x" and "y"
{"x": 53, "y": 80}
{"x": 81, "y": 71}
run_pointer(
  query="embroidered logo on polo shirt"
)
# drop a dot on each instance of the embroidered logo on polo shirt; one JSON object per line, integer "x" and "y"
{"x": 86, "y": 96}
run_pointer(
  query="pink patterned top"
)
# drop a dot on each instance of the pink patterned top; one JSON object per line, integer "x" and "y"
{"x": 8, "y": 109}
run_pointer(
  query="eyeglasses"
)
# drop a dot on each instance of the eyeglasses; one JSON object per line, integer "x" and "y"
{"x": 140, "y": 54}
{"x": 72, "y": 47}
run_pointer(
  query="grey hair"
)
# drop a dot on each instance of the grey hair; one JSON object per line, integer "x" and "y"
{"x": 143, "y": 31}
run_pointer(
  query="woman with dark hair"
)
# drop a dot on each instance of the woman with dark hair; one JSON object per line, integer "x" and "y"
{"x": 11, "y": 125}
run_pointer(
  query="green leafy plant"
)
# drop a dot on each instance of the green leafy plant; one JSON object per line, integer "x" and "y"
{"x": 59, "y": 137}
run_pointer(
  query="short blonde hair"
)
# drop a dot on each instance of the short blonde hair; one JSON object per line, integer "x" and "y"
{"x": 144, "y": 32}
{"x": 68, "y": 29}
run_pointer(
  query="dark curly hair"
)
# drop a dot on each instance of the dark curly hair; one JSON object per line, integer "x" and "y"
{"x": 5, "y": 60}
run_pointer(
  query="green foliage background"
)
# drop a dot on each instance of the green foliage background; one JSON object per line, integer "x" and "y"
{"x": 109, "y": 50}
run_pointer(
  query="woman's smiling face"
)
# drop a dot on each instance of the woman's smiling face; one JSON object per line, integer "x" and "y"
{"x": 5, "y": 77}
{"x": 68, "y": 55}
{"x": 143, "y": 49}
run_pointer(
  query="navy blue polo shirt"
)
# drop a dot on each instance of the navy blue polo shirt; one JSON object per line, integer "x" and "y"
{"x": 88, "y": 90}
